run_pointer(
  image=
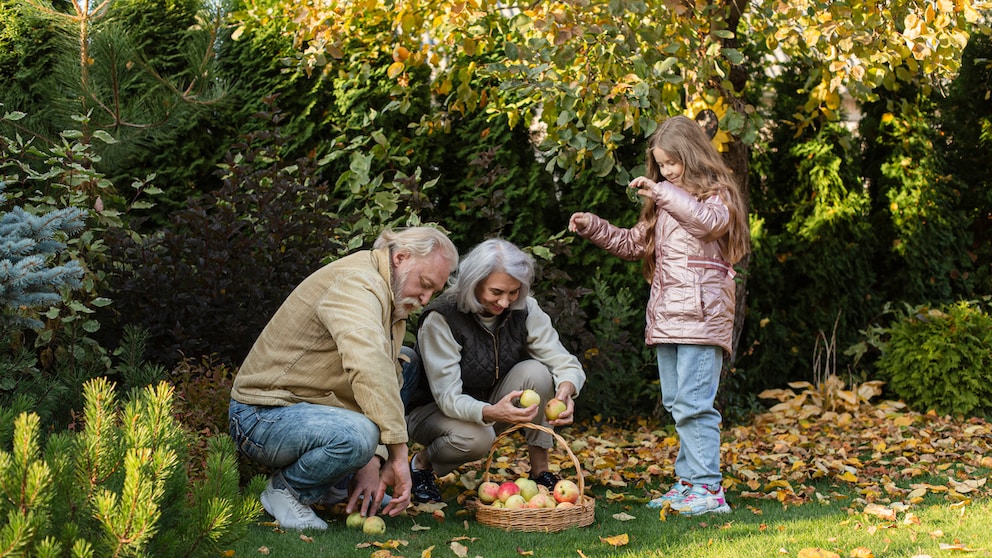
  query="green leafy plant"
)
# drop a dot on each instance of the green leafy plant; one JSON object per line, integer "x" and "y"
{"x": 939, "y": 357}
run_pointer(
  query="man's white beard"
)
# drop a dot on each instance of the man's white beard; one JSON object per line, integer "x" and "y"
{"x": 400, "y": 310}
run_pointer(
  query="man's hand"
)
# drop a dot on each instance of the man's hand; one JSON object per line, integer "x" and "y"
{"x": 395, "y": 473}
{"x": 364, "y": 485}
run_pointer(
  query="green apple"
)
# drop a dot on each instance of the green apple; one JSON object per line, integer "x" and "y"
{"x": 354, "y": 521}
{"x": 374, "y": 525}
{"x": 529, "y": 397}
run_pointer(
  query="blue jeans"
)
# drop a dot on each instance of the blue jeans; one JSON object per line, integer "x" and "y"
{"x": 690, "y": 375}
{"x": 309, "y": 447}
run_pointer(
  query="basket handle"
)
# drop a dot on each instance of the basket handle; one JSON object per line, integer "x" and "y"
{"x": 561, "y": 443}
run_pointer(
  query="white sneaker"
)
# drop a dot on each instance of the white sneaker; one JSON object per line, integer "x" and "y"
{"x": 678, "y": 493}
{"x": 702, "y": 499}
{"x": 288, "y": 511}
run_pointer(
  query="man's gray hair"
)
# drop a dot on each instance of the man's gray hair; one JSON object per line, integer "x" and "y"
{"x": 492, "y": 256}
{"x": 419, "y": 242}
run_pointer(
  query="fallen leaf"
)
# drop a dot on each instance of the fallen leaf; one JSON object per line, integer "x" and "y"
{"x": 817, "y": 553}
{"x": 305, "y": 538}
{"x": 522, "y": 552}
{"x": 459, "y": 549}
{"x": 958, "y": 547}
{"x": 616, "y": 540}
{"x": 861, "y": 552}
{"x": 622, "y": 516}
{"x": 427, "y": 552}
{"x": 263, "y": 550}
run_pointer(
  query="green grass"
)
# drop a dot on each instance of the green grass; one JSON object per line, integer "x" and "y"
{"x": 755, "y": 528}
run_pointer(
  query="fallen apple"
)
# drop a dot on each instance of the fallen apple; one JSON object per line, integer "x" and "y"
{"x": 374, "y": 525}
{"x": 355, "y": 520}
{"x": 554, "y": 408}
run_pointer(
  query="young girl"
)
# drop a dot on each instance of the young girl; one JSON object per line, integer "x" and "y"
{"x": 692, "y": 229}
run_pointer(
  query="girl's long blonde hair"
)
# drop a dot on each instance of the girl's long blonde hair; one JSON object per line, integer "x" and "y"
{"x": 705, "y": 174}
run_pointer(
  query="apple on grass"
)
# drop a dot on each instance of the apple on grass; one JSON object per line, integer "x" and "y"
{"x": 488, "y": 491}
{"x": 554, "y": 408}
{"x": 566, "y": 491}
{"x": 374, "y": 525}
{"x": 529, "y": 397}
{"x": 355, "y": 520}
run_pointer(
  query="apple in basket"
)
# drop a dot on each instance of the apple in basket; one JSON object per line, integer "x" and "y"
{"x": 566, "y": 491}
{"x": 528, "y": 488}
{"x": 515, "y": 502}
{"x": 488, "y": 492}
{"x": 506, "y": 490}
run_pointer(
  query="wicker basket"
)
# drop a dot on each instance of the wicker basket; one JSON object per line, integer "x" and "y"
{"x": 545, "y": 520}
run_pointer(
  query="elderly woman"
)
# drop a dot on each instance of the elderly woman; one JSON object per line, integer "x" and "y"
{"x": 480, "y": 345}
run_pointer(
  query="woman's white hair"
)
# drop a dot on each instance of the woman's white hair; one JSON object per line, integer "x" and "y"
{"x": 492, "y": 256}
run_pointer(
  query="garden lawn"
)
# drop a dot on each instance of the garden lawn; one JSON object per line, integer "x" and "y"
{"x": 855, "y": 480}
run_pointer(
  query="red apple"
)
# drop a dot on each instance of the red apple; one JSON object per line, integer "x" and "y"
{"x": 506, "y": 490}
{"x": 566, "y": 491}
{"x": 488, "y": 492}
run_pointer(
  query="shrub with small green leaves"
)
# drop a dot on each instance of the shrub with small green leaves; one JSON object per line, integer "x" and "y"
{"x": 940, "y": 358}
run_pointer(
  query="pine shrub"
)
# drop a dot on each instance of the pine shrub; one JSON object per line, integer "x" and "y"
{"x": 118, "y": 485}
{"x": 940, "y": 358}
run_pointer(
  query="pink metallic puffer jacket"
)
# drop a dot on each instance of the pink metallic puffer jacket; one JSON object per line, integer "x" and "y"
{"x": 693, "y": 289}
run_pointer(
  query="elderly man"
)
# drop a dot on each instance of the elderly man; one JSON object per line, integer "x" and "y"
{"x": 317, "y": 399}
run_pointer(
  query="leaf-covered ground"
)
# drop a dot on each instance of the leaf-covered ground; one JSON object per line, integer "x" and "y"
{"x": 885, "y": 452}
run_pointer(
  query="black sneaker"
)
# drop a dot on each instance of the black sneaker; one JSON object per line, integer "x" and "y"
{"x": 546, "y": 479}
{"x": 424, "y": 486}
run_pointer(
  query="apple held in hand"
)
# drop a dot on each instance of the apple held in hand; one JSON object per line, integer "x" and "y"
{"x": 566, "y": 491}
{"x": 488, "y": 492}
{"x": 529, "y": 397}
{"x": 554, "y": 408}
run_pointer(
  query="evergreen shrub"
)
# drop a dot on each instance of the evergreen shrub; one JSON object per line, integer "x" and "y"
{"x": 940, "y": 358}
{"x": 118, "y": 486}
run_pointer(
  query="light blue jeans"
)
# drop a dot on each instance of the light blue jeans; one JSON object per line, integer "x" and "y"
{"x": 690, "y": 375}
{"x": 309, "y": 447}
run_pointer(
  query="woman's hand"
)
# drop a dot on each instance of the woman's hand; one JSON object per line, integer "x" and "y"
{"x": 506, "y": 411}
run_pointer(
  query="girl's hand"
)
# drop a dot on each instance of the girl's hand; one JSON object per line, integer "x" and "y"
{"x": 578, "y": 221}
{"x": 643, "y": 185}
